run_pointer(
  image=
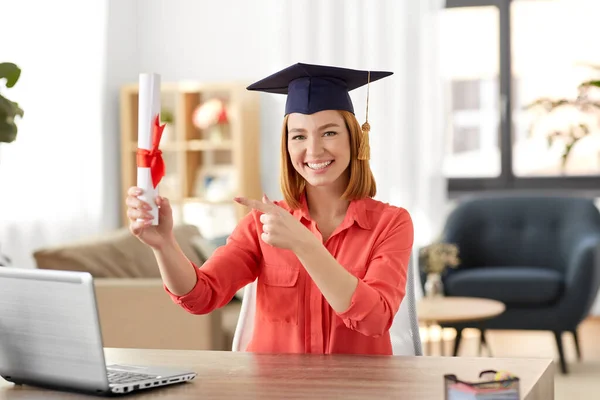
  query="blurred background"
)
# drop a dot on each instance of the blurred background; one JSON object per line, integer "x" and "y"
{"x": 488, "y": 98}
{"x": 62, "y": 179}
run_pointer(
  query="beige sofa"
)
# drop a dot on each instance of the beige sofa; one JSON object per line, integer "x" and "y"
{"x": 134, "y": 309}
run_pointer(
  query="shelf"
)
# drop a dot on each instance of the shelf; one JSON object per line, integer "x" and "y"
{"x": 199, "y": 145}
{"x": 191, "y": 145}
{"x": 169, "y": 146}
{"x": 193, "y": 87}
{"x": 199, "y": 200}
{"x": 219, "y": 158}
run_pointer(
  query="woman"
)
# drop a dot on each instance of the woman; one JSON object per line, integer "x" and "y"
{"x": 331, "y": 262}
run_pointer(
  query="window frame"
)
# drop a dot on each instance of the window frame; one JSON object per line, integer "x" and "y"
{"x": 507, "y": 180}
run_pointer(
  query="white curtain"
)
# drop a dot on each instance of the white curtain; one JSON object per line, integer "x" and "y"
{"x": 405, "y": 110}
{"x": 51, "y": 187}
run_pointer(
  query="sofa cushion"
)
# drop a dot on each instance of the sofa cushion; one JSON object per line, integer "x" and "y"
{"x": 204, "y": 247}
{"x": 118, "y": 254}
{"x": 510, "y": 285}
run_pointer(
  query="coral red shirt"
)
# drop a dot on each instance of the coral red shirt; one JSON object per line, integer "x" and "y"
{"x": 373, "y": 242}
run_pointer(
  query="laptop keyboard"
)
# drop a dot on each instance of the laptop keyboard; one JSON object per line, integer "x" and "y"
{"x": 119, "y": 377}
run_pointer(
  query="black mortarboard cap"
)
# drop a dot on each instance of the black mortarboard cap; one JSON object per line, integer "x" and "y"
{"x": 312, "y": 88}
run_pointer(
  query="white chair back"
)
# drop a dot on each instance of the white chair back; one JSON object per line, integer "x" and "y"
{"x": 404, "y": 331}
{"x": 245, "y": 324}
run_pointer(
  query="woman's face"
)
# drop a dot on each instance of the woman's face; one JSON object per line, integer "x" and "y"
{"x": 319, "y": 147}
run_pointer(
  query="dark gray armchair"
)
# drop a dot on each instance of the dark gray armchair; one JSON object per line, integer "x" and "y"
{"x": 538, "y": 255}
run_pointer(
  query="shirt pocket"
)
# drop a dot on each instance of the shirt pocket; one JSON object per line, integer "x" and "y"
{"x": 278, "y": 293}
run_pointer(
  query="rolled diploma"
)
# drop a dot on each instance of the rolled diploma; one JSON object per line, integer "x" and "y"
{"x": 148, "y": 108}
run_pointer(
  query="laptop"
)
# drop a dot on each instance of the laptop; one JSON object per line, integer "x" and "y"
{"x": 50, "y": 337}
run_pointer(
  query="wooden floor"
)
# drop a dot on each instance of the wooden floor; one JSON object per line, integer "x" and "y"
{"x": 583, "y": 380}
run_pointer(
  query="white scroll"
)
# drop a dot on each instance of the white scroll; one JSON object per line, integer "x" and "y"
{"x": 148, "y": 111}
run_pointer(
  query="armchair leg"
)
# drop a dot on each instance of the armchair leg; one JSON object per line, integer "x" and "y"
{"x": 457, "y": 342}
{"x": 577, "y": 347}
{"x": 561, "y": 353}
{"x": 483, "y": 342}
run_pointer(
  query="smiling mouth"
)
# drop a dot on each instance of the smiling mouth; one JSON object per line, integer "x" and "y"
{"x": 318, "y": 166}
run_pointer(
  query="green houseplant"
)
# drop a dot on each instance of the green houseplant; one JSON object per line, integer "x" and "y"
{"x": 583, "y": 103}
{"x": 9, "y": 110}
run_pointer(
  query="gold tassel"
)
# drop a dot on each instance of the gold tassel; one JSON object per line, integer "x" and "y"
{"x": 364, "y": 150}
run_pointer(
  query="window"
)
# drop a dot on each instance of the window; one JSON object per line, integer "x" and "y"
{"x": 500, "y": 56}
{"x": 470, "y": 66}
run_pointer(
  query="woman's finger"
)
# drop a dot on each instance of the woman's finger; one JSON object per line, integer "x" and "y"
{"x": 131, "y": 214}
{"x": 136, "y": 227}
{"x": 266, "y": 229}
{"x": 265, "y": 238}
{"x": 134, "y": 191}
{"x": 134, "y": 202}
{"x": 130, "y": 201}
{"x": 255, "y": 204}
{"x": 267, "y": 218}
{"x": 134, "y": 214}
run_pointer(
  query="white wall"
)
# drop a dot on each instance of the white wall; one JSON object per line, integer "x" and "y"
{"x": 122, "y": 66}
{"x": 206, "y": 39}
{"x": 203, "y": 40}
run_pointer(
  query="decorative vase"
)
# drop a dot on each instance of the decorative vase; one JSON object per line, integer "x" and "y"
{"x": 434, "y": 287}
{"x": 217, "y": 133}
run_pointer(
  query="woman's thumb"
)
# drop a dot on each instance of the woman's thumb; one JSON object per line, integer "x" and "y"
{"x": 163, "y": 205}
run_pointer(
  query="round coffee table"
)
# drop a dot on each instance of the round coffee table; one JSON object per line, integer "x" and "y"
{"x": 441, "y": 310}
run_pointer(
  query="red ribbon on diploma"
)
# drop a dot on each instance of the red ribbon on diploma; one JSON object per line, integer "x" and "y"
{"x": 153, "y": 158}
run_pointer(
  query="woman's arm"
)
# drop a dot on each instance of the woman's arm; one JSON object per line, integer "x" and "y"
{"x": 280, "y": 229}
{"x": 366, "y": 305}
{"x": 336, "y": 284}
{"x": 176, "y": 271}
{"x": 200, "y": 290}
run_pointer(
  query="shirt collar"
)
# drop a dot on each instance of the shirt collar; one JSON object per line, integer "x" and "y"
{"x": 357, "y": 212}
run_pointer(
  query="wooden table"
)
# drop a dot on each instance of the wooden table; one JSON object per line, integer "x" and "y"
{"x": 441, "y": 310}
{"x": 457, "y": 309}
{"x": 246, "y": 376}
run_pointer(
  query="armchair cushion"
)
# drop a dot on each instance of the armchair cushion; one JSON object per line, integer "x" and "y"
{"x": 525, "y": 286}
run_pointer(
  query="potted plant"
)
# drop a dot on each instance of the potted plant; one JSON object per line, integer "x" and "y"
{"x": 433, "y": 260}
{"x": 572, "y": 134}
{"x": 9, "y": 111}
